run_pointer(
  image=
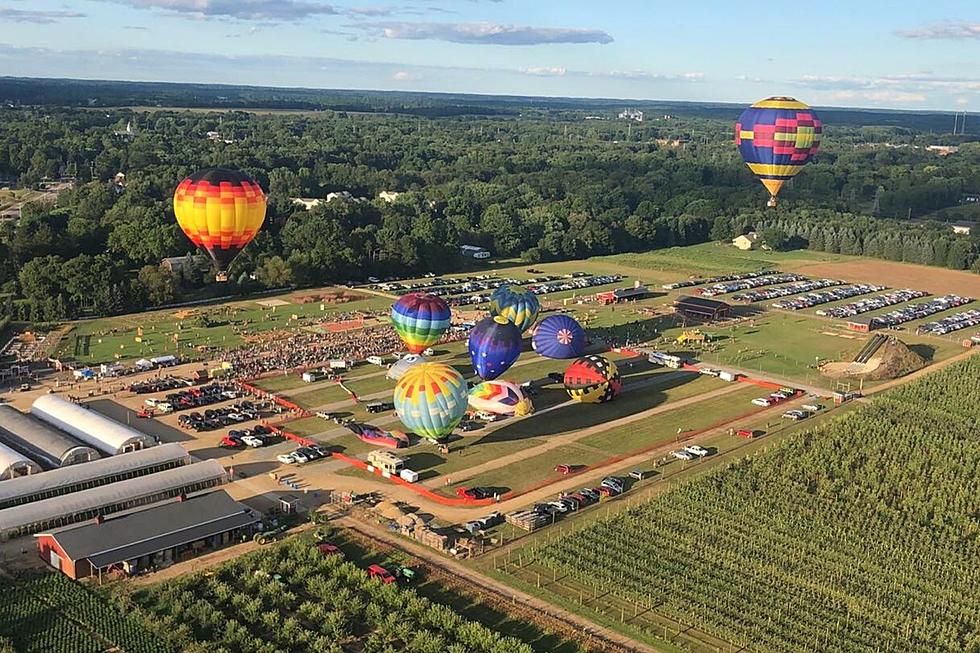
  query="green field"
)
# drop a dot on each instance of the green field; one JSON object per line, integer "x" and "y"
{"x": 50, "y": 613}
{"x": 857, "y": 536}
{"x": 714, "y": 258}
{"x": 290, "y": 598}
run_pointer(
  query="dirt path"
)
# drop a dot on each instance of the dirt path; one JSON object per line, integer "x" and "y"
{"x": 520, "y": 604}
{"x": 556, "y": 441}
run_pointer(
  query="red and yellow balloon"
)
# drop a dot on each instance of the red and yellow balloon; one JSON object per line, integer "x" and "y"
{"x": 220, "y": 211}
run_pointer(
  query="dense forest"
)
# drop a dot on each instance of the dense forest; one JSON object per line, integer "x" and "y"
{"x": 524, "y": 182}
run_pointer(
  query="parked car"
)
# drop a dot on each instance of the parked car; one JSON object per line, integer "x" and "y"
{"x": 253, "y": 441}
{"x": 382, "y": 574}
{"x": 328, "y": 549}
{"x": 680, "y": 454}
{"x": 762, "y": 401}
{"x": 301, "y": 456}
{"x": 474, "y": 492}
{"x": 614, "y": 482}
{"x": 564, "y": 469}
{"x": 696, "y": 450}
{"x": 286, "y": 458}
{"x": 638, "y": 474}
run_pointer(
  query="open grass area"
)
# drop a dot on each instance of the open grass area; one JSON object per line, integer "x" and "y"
{"x": 715, "y": 258}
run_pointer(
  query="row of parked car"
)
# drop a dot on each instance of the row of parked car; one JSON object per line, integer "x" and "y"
{"x": 258, "y": 436}
{"x": 159, "y": 385}
{"x": 824, "y": 296}
{"x": 204, "y": 395}
{"x": 539, "y": 286}
{"x": 919, "y": 311}
{"x": 721, "y": 278}
{"x": 609, "y": 487}
{"x": 304, "y": 455}
{"x": 748, "y": 283}
{"x": 215, "y": 418}
{"x": 796, "y": 288}
{"x": 872, "y": 303}
{"x": 775, "y": 397}
{"x": 952, "y": 323}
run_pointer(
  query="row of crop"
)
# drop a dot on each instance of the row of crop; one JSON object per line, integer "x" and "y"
{"x": 860, "y": 536}
{"x": 291, "y": 598}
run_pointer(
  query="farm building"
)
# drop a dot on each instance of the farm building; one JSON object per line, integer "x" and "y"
{"x": 106, "y": 435}
{"x": 14, "y": 465}
{"x": 101, "y": 501}
{"x": 149, "y": 538}
{"x": 623, "y": 295}
{"x": 701, "y": 308}
{"x": 76, "y": 478}
{"x": 747, "y": 242}
{"x": 39, "y": 441}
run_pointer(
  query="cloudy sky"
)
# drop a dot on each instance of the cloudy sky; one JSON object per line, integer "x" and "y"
{"x": 868, "y": 53}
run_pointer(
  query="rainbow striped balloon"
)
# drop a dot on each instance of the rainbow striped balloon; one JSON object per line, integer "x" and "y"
{"x": 431, "y": 399}
{"x": 518, "y": 306}
{"x": 501, "y": 397}
{"x": 420, "y": 320}
{"x": 777, "y": 137}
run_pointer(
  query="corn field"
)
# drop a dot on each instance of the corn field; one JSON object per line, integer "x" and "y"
{"x": 860, "y": 536}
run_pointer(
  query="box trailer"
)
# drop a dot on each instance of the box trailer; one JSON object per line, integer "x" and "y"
{"x": 728, "y": 376}
{"x": 409, "y": 475}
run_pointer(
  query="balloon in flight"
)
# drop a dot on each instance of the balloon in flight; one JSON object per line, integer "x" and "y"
{"x": 518, "y": 306}
{"x": 501, "y": 398}
{"x": 777, "y": 137}
{"x": 592, "y": 380}
{"x": 220, "y": 211}
{"x": 558, "y": 336}
{"x": 495, "y": 343}
{"x": 431, "y": 399}
{"x": 420, "y": 320}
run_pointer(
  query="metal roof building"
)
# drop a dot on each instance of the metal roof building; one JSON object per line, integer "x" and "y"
{"x": 702, "y": 308}
{"x": 76, "y": 478}
{"x": 97, "y": 430}
{"x": 39, "y": 441}
{"x": 14, "y": 465}
{"x": 116, "y": 497}
{"x": 153, "y": 537}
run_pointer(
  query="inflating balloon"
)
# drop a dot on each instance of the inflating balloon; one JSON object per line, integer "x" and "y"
{"x": 501, "y": 398}
{"x": 420, "y": 320}
{"x": 777, "y": 137}
{"x": 431, "y": 399}
{"x": 592, "y": 380}
{"x": 558, "y": 336}
{"x": 495, "y": 343}
{"x": 220, "y": 211}
{"x": 518, "y": 306}
{"x": 405, "y": 363}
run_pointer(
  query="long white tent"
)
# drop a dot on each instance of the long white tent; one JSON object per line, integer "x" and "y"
{"x": 87, "y": 425}
{"x": 13, "y": 465}
{"x": 40, "y": 441}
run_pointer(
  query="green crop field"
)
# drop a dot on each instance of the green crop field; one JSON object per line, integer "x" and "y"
{"x": 856, "y": 536}
{"x": 290, "y": 598}
{"x": 715, "y": 258}
{"x": 52, "y": 614}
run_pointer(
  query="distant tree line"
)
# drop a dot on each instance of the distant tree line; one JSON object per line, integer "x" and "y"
{"x": 545, "y": 187}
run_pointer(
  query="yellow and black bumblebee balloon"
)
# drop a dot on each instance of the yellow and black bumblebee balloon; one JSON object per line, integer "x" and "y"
{"x": 220, "y": 211}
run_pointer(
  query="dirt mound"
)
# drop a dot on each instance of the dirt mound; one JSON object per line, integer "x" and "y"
{"x": 892, "y": 360}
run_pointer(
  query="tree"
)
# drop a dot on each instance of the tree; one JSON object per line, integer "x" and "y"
{"x": 158, "y": 285}
{"x": 274, "y": 273}
{"x": 775, "y": 238}
{"x": 721, "y": 229}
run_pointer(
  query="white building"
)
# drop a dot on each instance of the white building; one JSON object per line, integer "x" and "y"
{"x": 631, "y": 114}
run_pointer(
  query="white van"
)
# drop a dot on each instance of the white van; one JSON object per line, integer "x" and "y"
{"x": 151, "y": 402}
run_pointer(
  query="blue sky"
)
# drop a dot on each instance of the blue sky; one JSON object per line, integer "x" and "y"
{"x": 867, "y": 53}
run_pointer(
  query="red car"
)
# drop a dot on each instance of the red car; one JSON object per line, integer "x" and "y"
{"x": 230, "y": 442}
{"x": 377, "y": 571}
{"x": 745, "y": 433}
{"x": 145, "y": 413}
{"x": 474, "y": 492}
{"x": 563, "y": 469}
{"x": 328, "y": 549}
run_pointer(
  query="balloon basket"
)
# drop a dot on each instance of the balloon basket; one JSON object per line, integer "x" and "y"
{"x": 772, "y": 203}
{"x": 221, "y": 277}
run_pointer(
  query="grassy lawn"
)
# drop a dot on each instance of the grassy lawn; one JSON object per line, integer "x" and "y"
{"x": 714, "y": 258}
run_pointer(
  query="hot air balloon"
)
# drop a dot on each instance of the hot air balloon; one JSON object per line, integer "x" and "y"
{"x": 404, "y": 364}
{"x": 495, "y": 344}
{"x": 501, "y": 398}
{"x": 777, "y": 137}
{"x": 558, "y": 336}
{"x": 420, "y": 319}
{"x": 519, "y": 306}
{"x": 220, "y": 211}
{"x": 592, "y": 380}
{"x": 431, "y": 400}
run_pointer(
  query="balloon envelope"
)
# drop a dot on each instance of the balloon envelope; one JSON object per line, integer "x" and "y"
{"x": 431, "y": 400}
{"x": 592, "y": 380}
{"x": 405, "y": 363}
{"x": 559, "y": 336}
{"x": 501, "y": 398}
{"x": 518, "y": 306}
{"x": 220, "y": 211}
{"x": 777, "y": 137}
{"x": 420, "y": 320}
{"x": 495, "y": 344}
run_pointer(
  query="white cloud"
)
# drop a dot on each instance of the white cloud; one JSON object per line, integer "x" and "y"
{"x": 962, "y": 101}
{"x": 38, "y": 17}
{"x": 270, "y": 10}
{"x": 485, "y": 33}
{"x": 405, "y": 76}
{"x": 647, "y": 75}
{"x": 945, "y": 30}
{"x": 545, "y": 71}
